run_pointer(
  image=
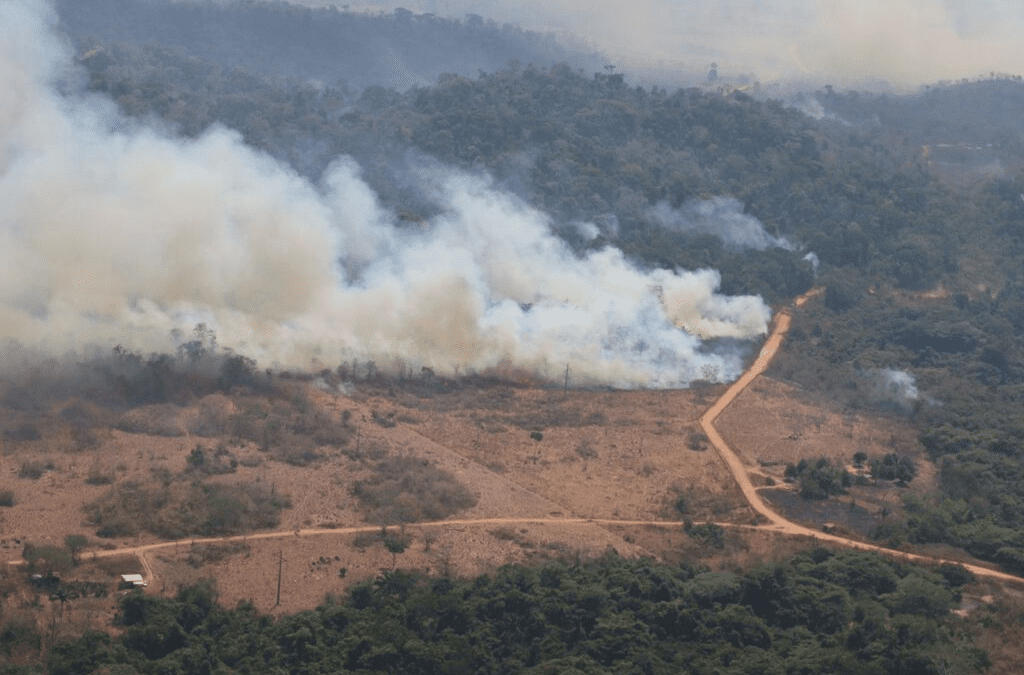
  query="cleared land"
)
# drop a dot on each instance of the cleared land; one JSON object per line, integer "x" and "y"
{"x": 508, "y": 473}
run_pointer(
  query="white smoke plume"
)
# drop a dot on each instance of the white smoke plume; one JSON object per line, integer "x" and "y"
{"x": 892, "y": 387}
{"x": 812, "y": 107}
{"x": 112, "y": 233}
{"x": 722, "y": 217}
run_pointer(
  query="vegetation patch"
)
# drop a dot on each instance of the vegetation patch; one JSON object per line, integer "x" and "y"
{"x": 211, "y": 462}
{"x": 209, "y": 553}
{"x": 819, "y": 479}
{"x": 180, "y": 509}
{"x": 406, "y": 489}
{"x": 34, "y": 469}
{"x": 819, "y": 612}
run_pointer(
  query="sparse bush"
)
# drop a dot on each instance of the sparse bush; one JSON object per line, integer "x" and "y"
{"x": 585, "y": 450}
{"x": 387, "y": 421}
{"x": 504, "y": 533}
{"x": 34, "y": 469}
{"x": 46, "y": 559}
{"x": 297, "y": 452}
{"x": 206, "y": 554}
{"x": 697, "y": 441}
{"x": 97, "y": 476}
{"x": 181, "y": 510}
{"x": 200, "y": 460}
{"x": 215, "y": 417}
{"x": 708, "y": 534}
{"x": 23, "y": 432}
{"x": 537, "y": 436}
{"x": 75, "y": 543}
{"x": 7, "y": 498}
{"x": 84, "y": 438}
{"x": 153, "y": 420}
{"x": 406, "y": 489}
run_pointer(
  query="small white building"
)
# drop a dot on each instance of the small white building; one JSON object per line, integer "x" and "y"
{"x": 133, "y": 580}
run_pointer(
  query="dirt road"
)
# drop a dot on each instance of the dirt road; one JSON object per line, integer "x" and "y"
{"x": 742, "y": 476}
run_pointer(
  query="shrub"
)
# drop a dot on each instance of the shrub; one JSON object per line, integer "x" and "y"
{"x": 97, "y": 476}
{"x": 46, "y": 560}
{"x": 697, "y": 441}
{"x": 23, "y": 432}
{"x": 585, "y": 450}
{"x": 7, "y": 498}
{"x": 221, "y": 461}
{"x": 34, "y": 470}
{"x": 181, "y": 510}
{"x": 406, "y": 489}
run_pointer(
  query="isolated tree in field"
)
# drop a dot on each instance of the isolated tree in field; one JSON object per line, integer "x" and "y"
{"x": 75, "y": 543}
{"x": 394, "y": 547}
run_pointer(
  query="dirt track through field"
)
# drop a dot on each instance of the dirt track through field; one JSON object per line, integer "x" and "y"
{"x": 775, "y": 522}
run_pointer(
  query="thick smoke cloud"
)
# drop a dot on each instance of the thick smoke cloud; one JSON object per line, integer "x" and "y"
{"x": 114, "y": 234}
{"x": 722, "y": 217}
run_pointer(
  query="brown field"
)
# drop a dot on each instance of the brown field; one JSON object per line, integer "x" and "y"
{"x": 774, "y": 423}
{"x": 523, "y": 457}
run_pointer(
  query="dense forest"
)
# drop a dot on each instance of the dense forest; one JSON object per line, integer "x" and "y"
{"x": 819, "y": 612}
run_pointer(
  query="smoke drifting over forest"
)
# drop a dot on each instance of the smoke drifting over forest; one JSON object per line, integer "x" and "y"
{"x": 114, "y": 232}
{"x": 902, "y": 42}
{"x": 722, "y": 217}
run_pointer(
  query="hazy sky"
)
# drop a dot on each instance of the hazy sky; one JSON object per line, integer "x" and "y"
{"x": 905, "y": 42}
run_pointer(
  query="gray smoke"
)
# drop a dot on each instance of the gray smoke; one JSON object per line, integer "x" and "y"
{"x": 903, "y": 42}
{"x": 111, "y": 233}
{"x": 719, "y": 216}
{"x": 896, "y": 388}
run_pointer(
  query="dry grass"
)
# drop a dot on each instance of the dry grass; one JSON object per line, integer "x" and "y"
{"x": 388, "y": 452}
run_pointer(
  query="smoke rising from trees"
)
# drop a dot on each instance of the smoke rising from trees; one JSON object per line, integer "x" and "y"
{"x": 905, "y": 43}
{"x": 722, "y": 217}
{"x": 112, "y": 232}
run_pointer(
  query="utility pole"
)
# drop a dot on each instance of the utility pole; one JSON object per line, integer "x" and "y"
{"x": 565, "y": 390}
{"x": 280, "y": 566}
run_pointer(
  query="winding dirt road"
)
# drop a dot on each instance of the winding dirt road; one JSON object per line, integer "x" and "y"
{"x": 742, "y": 476}
{"x": 775, "y": 522}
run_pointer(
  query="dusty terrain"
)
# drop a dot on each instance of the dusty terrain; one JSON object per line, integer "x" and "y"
{"x": 601, "y": 454}
{"x": 551, "y": 474}
{"x": 773, "y": 423}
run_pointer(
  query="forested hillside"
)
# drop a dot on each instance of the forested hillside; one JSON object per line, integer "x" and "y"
{"x": 691, "y": 179}
{"x": 332, "y": 45}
